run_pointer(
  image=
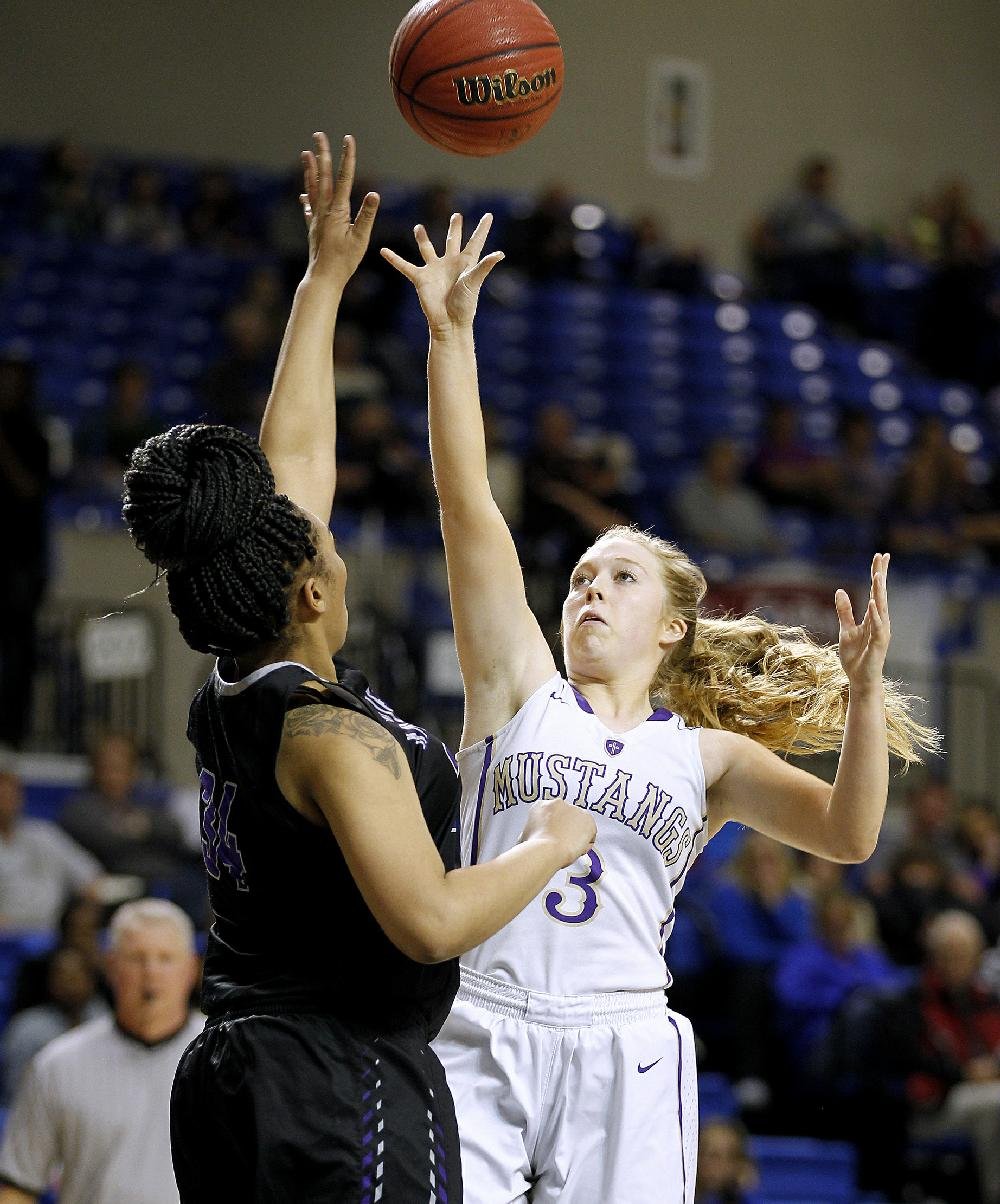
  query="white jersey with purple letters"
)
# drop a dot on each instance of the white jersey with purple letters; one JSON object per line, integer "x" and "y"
{"x": 600, "y": 925}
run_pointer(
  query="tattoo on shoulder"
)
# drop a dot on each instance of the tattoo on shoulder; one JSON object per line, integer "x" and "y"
{"x": 321, "y": 720}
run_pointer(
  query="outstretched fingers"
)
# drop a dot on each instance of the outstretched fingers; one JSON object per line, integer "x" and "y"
{"x": 845, "y": 612}
{"x": 310, "y": 184}
{"x": 366, "y": 216}
{"x": 403, "y": 266}
{"x": 475, "y": 276}
{"x": 340, "y": 192}
{"x": 453, "y": 240}
{"x": 880, "y": 591}
{"x": 424, "y": 244}
{"x": 477, "y": 240}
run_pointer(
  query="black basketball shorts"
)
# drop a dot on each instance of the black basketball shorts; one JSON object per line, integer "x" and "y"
{"x": 304, "y": 1109}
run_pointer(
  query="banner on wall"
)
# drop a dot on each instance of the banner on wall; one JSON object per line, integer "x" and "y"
{"x": 677, "y": 118}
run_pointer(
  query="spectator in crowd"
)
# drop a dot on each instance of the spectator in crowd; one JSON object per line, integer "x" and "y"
{"x": 948, "y": 1040}
{"x": 72, "y": 1000}
{"x": 265, "y": 291}
{"x": 918, "y": 889}
{"x": 68, "y": 201}
{"x": 922, "y": 515}
{"x": 816, "y": 876}
{"x": 542, "y": 242}
{"x": 803, "y": 247}
{"x": 861, "y": 481}
{"x": 758, "y": 916}
{"x": 596, "y": 497}
{"x": 651, "y": 262}
{"x": 105, "y": 441}
{"x": 283, "y": 230}
{"x": 24, "y": 555}
{"x": 958, "y": 327}
{"x": 978, "y": 839}
{"x": 786, "y": 471}
{"x": 96, "y": 1101}
{"x": 968, "y": 488}
{"x": 979, "y": 521}
{"x": 572, "y": 490}
{"x": 40, "y": 866}
{"x": 553, "y": 458}
{"x": 717, "y": 512}
{"x": 217, "y": 218}
{"x": 435, "y": 205}
{"x": 815, "y": 976}
{"x": 127, "y": 835}
{"x": 926, "y": 816}
{"x": 944, "y": 227}
{"x": 144, "y": 217}
{"x": 504, "y": 469}
{"x": 726, "y": 1170}
{"x": 373, "y": 295}
{"x": 358, "y": 380}
{"x": 79, "y": 928}
{"x": 379, "y": 470}
{"x": 236, "y": 386}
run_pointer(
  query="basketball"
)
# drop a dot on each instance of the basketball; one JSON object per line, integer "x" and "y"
{"x": 476, "y": 77}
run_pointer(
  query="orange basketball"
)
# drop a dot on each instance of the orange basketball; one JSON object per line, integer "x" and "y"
{"x": 476, "y": 77}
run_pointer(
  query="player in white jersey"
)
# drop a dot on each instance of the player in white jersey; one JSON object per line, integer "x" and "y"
{"x": 572, "y": 1079}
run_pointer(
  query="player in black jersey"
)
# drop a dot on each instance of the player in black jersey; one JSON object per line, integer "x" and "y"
{"x": 328, "y": 823}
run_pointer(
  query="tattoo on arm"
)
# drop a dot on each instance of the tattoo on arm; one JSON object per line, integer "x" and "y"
{"x": 321, "y": 720}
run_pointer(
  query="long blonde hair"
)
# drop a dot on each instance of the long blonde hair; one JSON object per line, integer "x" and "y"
{"x": 771, "y": 682}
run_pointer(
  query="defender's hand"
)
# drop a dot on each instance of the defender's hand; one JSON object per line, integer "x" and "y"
{"x": 571, "y": 829}
{"x": 336, "y": 244}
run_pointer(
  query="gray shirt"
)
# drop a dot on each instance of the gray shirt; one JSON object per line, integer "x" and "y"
{"x": 732, "y": 519}
{"x": 30, "y": 1031}
{"x": 96, "y": 1103}
{"x": 40, "y": 867}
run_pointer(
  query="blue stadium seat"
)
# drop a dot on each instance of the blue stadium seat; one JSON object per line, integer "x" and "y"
{"x": 803, "y": 1170}
{"x": 790, "y": 322}
{"x": 16, "y": 947}
{"x": 715, "y": 1092}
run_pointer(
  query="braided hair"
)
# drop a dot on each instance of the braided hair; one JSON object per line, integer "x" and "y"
{"x": 200, "y": 503}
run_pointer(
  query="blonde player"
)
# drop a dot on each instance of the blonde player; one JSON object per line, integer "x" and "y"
{"x": 573, "y": 1080}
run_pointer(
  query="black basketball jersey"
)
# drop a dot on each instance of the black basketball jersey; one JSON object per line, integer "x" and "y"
{"x": 291, "y": 930}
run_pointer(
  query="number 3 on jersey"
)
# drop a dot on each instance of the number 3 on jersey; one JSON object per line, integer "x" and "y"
{"x": 218, "y": 844}
{"x": 556, "y": 901}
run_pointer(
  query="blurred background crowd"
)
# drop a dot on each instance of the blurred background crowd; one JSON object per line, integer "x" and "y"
{"x": 842, "y": 396}
{"x": 782, "y": 351}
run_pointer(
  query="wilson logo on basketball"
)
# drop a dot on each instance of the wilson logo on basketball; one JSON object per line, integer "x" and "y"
{"x": 501, "y": 89}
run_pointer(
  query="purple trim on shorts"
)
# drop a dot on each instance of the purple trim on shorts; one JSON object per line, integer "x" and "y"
{"x": 487, "y": 758}
{"x": 680, "y": 1102}
{"x": 370, "y": 1173}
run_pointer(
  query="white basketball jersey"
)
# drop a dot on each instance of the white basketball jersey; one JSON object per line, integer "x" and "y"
{"x": 600, "y": 925}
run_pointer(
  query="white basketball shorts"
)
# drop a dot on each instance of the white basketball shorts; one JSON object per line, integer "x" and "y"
{"x": 585, "y": 1099}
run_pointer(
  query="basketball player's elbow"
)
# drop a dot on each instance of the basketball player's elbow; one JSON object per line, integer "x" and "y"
{"x": 424, "y": 935}
{"x": 858, "y": 849}
{"x": 851, "y": 845}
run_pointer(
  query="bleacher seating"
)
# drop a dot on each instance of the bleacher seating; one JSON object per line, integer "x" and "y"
{"x": 671, "y": 372}
{"x": 802, "y": 1170}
